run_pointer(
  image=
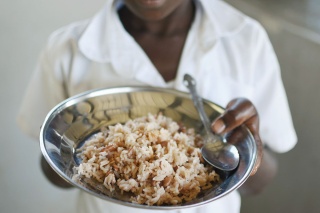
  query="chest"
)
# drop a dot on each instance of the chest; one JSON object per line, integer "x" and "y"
{"x": 222, "y": 72}
{"x": 164, "y": 52}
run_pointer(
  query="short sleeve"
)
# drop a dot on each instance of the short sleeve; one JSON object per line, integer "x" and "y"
{"x": 43, "y": 92}
{"x": 276, "y": 126}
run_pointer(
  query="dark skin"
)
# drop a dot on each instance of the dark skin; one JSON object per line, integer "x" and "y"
{"x": 161, "y": 27}
{"x": 161, "y": 35}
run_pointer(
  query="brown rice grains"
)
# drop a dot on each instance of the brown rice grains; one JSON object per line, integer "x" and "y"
{"x": 152, "y": 157}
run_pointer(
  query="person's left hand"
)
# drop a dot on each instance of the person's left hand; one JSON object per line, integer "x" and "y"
{"x": 240, "y": 111}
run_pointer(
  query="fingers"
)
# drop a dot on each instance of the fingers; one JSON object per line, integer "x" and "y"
{"x": 240, "y": 111}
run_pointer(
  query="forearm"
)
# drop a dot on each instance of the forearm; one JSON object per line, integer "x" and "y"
{"x": 52, "y": 176}
{"x": 265, "y": 174}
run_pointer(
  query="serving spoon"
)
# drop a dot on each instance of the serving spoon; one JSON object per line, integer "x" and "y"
{"x": 216, "y": 151}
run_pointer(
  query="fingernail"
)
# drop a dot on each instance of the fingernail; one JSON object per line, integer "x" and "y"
{"x": 219, "y": 126}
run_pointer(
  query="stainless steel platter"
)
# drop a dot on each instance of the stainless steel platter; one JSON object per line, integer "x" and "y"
{"x": 71, "y": 122}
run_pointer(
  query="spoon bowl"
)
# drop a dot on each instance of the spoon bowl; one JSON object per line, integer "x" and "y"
{"x": 216, "y": 151}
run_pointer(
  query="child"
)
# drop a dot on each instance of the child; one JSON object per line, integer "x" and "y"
{"x": 155, "y": 42}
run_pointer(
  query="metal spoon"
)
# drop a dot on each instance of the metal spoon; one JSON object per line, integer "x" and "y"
{"x": 216, "y": 151}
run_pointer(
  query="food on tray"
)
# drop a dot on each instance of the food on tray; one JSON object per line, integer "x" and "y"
{"x": 152, "y": 157}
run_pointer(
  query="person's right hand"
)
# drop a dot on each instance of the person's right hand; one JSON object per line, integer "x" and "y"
{"x": 240, "y": 111}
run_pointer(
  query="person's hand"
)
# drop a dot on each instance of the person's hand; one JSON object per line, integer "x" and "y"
{"x": 238, "y": 112}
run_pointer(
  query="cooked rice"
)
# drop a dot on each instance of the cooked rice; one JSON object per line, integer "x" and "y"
{"x": 152, "y": 157}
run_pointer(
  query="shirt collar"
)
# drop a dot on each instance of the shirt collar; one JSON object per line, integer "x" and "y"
{"x": 225, "y": 19}
{"x": 102, "y": 33}
{"x": 98, "y": 44}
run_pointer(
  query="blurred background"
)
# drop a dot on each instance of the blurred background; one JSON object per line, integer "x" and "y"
{"x": 294, "y": 30}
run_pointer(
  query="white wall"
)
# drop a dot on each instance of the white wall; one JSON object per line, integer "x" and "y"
{"x": 24, "y": 28}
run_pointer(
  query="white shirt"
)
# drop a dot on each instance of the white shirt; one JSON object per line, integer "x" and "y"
{"x": 228, "y": 52}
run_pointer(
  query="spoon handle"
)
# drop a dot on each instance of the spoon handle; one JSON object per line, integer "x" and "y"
{"x": 190, "y": 83}
{"x": 215, "y": 150}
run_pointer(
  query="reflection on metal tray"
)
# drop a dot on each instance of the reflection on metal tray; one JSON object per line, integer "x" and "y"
{"x": 71, "y": 122}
